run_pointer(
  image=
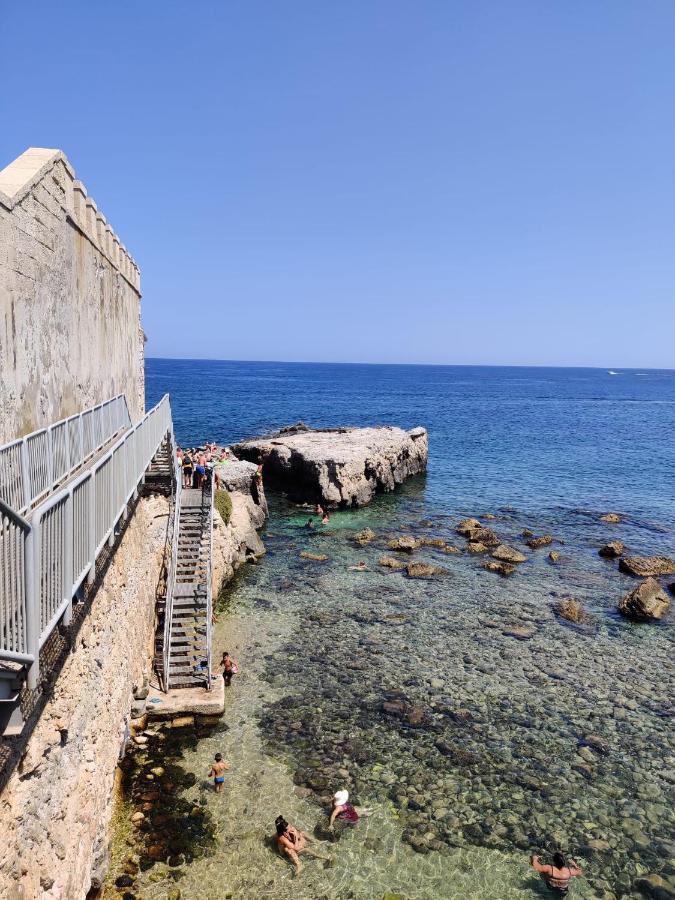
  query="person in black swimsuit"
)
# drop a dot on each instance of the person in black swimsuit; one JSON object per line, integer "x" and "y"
{"x": 558, "y": 874}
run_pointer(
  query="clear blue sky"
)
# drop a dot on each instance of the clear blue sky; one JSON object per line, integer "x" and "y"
{"x": 448, "y": 182}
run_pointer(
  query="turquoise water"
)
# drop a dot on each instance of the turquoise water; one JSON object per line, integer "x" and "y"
{"x": 478, "y": 725}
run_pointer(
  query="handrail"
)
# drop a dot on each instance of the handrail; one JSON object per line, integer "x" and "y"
{"x": 209, "y": 586}
{"x": 32, "y": 466}
{"x": 171, "y": 572}
{"x": 66, "y": 533}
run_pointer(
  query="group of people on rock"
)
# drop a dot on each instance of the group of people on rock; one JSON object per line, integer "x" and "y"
{"x": 198, "y": 464}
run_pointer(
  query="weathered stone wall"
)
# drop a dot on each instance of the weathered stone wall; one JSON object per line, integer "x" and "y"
{"x": 70, "y": 331}
{"x": 56, "y": 807}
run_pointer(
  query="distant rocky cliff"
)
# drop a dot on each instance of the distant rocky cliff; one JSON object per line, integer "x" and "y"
{"x": 340, "y": 467}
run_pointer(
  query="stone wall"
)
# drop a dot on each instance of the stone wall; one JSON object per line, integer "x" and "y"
{"x": 70, "y": 330}
{"x": 56, "y": 807}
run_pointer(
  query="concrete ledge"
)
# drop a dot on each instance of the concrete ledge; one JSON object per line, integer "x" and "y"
{"x": 187, "y": 702}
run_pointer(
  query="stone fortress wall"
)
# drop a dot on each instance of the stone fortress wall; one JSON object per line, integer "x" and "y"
{"x": 70, "y": 328}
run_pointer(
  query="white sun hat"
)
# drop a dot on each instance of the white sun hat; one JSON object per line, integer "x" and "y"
{"x": 341, "y": 797}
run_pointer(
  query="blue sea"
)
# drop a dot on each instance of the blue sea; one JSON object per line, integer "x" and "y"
{"x": 535, "y": 438}
{"x": 475, "y": 723}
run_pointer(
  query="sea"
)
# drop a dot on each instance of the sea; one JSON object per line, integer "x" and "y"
{"x": 474, "y": 723}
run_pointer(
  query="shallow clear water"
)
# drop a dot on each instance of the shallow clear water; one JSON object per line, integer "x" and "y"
{"x": 460, "y": 708}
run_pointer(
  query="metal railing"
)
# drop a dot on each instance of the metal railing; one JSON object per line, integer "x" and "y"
{"x": 171, "y": 570}
{"x": 209, "y": 586}
{"x": 45, "y": 557}
{"x": 32, "y": 466}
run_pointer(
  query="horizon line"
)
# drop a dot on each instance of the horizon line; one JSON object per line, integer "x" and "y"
{"x": 310, "y": 362}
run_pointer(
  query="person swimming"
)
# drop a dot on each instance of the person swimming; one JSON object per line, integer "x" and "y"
{"x": 557, "y": 876}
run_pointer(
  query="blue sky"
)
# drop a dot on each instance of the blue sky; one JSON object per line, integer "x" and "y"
{"x": 444, "y": 182}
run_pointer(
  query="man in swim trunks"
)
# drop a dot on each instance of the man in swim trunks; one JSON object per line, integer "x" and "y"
{"x": 557, "y": 876}
{"x": 218, "y": 770}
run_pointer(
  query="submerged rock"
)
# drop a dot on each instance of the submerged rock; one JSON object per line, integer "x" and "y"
{"x": 431, "y": 542}
{"x": 341, "y": 467}
{"x": 450, "y": 548}
{"x": 405, "y": 544}
{"x": 390, "y": 563}
{"x": 571, "y": 610}
{"x": 612, "y": 550}
{"x": 543, "y": 541}
{"x": 646, "y": 602}
{"x": 554, "y": 556}
{"x": 501, "y": 568}
{"x": 482, "y": 535}
{"x": 647, "y": 566}
{"x": 474, "y": 547}
{"x": 508, "y": 554}
{"x": 466, "y": 525}
{"x": 612, "y": 518}
{"x": 318, "y": 557}
{"x": 423, "y": 570}
{"x": 364, "y": 537}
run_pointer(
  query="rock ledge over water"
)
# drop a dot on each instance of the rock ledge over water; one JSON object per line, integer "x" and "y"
{"x": 339, "y": 467}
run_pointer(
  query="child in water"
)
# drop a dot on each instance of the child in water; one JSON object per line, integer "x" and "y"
{"x": 218, "y": 770}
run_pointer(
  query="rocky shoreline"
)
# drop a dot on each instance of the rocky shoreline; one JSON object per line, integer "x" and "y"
{"x": 338, "y": 468}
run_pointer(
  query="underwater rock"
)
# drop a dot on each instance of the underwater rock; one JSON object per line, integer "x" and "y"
{"x": 508, "y": 554}
{"x": 482, "y": 535}
{"x": 612, "y": 518}
{"x": 521, "y": 632}
{"x": 647, "y": 602}
{"x": 612, "y": 550}
{"x": 404, "y": 544}
{"x": 317, "y": 557}
{"x": 364, "y": 537}
{"x": 571, "y": 610}
{"x": 543, "y": 541}
{"x": 390, "y": 563}
{"x": 450, "y": 548}
{"x": 341, "y": 467}
{"x": 554, "y": 556}
{"x": 501, "y": 568}
{"x": 423, "y": 570}
{"x": 431, "y": 542}
{"x": 647, "y": 566}
{"x": 476, "y": 548}
{"x": 466, "y": 525}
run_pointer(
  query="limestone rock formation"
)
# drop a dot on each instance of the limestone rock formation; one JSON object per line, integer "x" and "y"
{"x": 423, "y": 570}
{"x": 646, "y": 602}
{"x": 612, "y": 518}
{"x": 364, "y": 537}
{"x": 341, "y": 467}
{"x": 317, "y": 557}
{"x": 466, "y": 525}
{"x": 482, "y": 535}
{"x": 647, "y": 566}
{"x": 501, "y": 568}
{"x": 571, "y": 610}
{"x": 390, "y": 563}
{"x": 554, "y": 556}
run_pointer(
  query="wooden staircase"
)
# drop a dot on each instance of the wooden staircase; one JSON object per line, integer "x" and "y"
{"x": 189, "y": 642}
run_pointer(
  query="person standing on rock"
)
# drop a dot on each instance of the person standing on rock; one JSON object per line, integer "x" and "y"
{"x": 558, "y": 874}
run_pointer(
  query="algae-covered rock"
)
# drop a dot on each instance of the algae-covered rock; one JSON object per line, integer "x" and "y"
{"x": 482, "y": 535}
{"x": 390, "y": 563}
{"x": 571, "y": 610}
{"x": 612, "y": 550}
{"x": 364, "y": 537}
{"x": 317, "y": 557}
{"x": 542, "y": 541}
{"x": 423, "y": 570}
{"x": 554, "y": 556}
{"x": 612, "y": 518}
{"x": 466, "y": 525}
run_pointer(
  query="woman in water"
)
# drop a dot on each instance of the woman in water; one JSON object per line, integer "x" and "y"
{"x": 292, "y": 842}
{"x": 344, "y": 812}
{"x": 557, "y": 876}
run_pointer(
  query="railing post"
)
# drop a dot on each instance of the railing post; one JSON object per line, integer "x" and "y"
{"x": 50, "y": 456}
{"x": 32, "y": 563}
{"x": 91, "y": 574}
{"x": 25, "y": 473}
{"x": 68, "y": 559}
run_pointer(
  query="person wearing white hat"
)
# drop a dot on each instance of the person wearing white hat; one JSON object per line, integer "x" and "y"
{"x": 343, "y": 810}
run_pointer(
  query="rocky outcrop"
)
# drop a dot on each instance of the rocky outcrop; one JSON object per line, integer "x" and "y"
{"x": 363, "y": 537}
{"x": 612, "y": 550}
{"x": 543, "y": 541}
{"x": 238, "y": 541}
{"x": 58, "y": 802}
{"x": 508, "y": 554}
{"x": 404, "y": 544}
{"x": 611, "y": 518}
{"x": 647, "y": 566}
{"x": 341, "y": 467}
{"x": 390, "y": 563}
{"x": 423, "y": 570}
{"x": 501, "y": 568}
{"x": 571, "y": 610}
{"x": 646, "y": 602}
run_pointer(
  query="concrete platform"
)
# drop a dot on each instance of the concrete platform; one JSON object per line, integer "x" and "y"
{"x": 187, "y": 701}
